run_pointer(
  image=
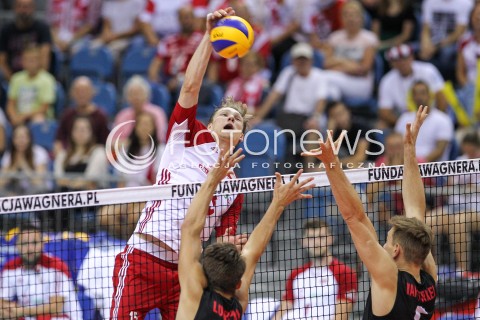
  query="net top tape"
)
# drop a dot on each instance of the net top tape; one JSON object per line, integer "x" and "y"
{"x": 101, "y": 197}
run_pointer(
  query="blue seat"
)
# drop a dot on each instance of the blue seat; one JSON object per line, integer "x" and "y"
{"x": 106, "y": 98}
{"x": 87, "y": 304}
{"x": 316, "y": 207}
{"x": 153, "y": 315}
{"x": 136, "y": 60}
{"x": 96, "y": 63}
{"x": 318, "y": 60}
{"x": 211, "y": 96}
{"x": 378, "y": 68}
{"x": 161, "y": 97}
{"x": 70, "y": 251}
{"x": 3, "y": 94}
{"x": 43, "y": 133}
{"x": 262, "y": 148}
{"x": 60, "y": 100}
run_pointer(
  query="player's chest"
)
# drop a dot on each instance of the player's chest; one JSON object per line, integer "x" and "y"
{"x": 316, "y": 284}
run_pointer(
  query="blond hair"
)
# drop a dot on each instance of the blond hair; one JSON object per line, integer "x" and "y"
{"x": 229, "y": 102}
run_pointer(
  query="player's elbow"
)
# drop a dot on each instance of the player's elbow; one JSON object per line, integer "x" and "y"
{"x": 191, "y": 86}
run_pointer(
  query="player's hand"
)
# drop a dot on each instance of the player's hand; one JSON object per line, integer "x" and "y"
{"x": 284, "y": 194}
{"x": 213, "y": 17}
{"x": 239, "y": 240}
{"x": 327, "y": 151}
{"x": 411, "y": 133}
{"x": 225, "y": 163}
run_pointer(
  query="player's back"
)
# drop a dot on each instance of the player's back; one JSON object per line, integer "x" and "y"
{"x": 214, "y": 306}
{"x": 413, "y": 301}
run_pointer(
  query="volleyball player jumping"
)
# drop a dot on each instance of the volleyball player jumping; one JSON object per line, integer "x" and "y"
{"x": 145, "y": 274}
{"x": 403, "y": 273}
{"x": 217, "y": 287}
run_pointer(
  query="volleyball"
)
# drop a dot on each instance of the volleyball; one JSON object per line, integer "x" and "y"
{"x": 232, "y": 37}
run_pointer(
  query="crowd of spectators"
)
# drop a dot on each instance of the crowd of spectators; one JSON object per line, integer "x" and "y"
{"x": 318, "y": 64}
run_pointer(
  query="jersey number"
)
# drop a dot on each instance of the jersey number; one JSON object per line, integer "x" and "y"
{"x": 418, "y": 312}
{"x": 133, "y": 315}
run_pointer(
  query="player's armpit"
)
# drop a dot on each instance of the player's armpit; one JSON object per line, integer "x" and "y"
{"x": 430, "y": 266}
{"x": 379, "y": 263}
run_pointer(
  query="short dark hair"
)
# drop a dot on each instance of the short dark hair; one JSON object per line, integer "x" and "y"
{"x": 332, "y": 105}
{"x": 414, "y": 236}
{"x": 224, "y": 266}
{"x": 315, "y": 223}
{"x": 471, "y": 137}
{"x": 27, "y": 225}
{"x": 421, "y": 83}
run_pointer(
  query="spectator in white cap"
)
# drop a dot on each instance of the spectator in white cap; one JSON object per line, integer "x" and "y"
{"x": 393, "y": 97}
{"x": 303, "y": 88}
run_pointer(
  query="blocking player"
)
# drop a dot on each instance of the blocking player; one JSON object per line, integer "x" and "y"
{"x": 403, "y": 273}
{"x": 217, "y": 287}
{"x": 145, "y": 274}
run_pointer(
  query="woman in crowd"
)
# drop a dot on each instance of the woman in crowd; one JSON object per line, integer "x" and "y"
{"x": 120, "y": 220}
{"x": 82, "y": 166}
{"x": 393, "y": 23}
{"x": 24, "y": 163}
{"x": 349, "y": 56}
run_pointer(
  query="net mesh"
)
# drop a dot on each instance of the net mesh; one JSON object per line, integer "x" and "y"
{"x": 87, "y": 230}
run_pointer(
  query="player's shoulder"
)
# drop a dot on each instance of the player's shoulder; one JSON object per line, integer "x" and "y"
{"x": 338, "y": 267}
{"x": 51, "y": 262}
{"x": 13, "y": 264}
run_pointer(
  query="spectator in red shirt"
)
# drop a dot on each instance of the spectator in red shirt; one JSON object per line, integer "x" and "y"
{"x": 175, "y": 51}
{"x": 71, "y": 21}
{"x": 248, "y": 87}
{"x": 159, "y": 19}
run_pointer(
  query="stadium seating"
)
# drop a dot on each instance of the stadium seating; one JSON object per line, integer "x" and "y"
{"x": 161, "y": 97}
{"x": 136, "y": 60}
{"x": 60, "y": 100}
{"x": 211, "y": 96}
{"x": 106, "y": 97}
{"x": 96, "y": 63}
{"x": 262, "y": 150}
{"x": 43, "y": 133}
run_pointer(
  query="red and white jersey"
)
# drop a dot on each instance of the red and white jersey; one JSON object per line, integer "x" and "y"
{"x": 68, "y": 16}
{"x": 321, "y": 19}
{"x": 470, "y": 50}
{"x": 248, "y": 91}
{"x": 163, "y": 15}
{"x": 188, "y": 156}
{"x": 276, "y": 15}
{"x": 177, "y": 50}
{"x": 314, "y": 291}
{"x": 30, "y": 287}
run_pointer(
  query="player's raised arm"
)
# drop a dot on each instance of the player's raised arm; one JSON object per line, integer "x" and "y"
{"x": 380, "y": 265}
{"x": 283, "y": 195}
{"x": 198, "y": 63}
{"x": 190, "y": 272}
{"x": 413, "y": 191}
